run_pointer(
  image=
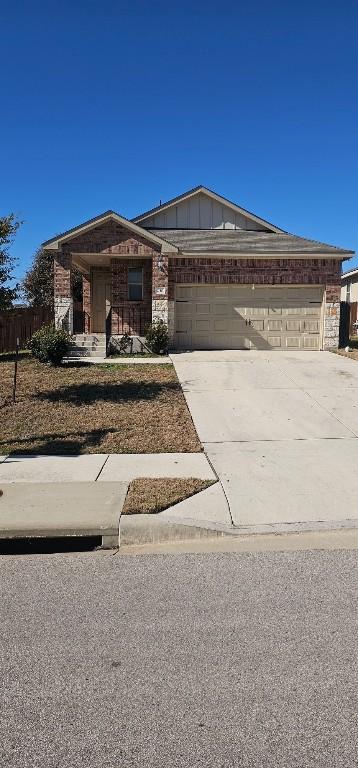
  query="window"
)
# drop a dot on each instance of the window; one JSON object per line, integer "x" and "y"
{"x": 135, "y": 284}
{"x": 348, "y": 291}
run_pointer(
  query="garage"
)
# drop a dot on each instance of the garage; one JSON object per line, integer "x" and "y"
{"x": 213, "y": 316}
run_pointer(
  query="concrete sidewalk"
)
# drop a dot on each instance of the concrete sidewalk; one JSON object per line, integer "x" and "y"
{"x": 47, "y": 496}
{"x": 103, "y": 467}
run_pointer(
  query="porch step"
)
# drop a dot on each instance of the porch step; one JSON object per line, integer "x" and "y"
{"x": 89, "y": 338}
{"x": 87, "y": 352}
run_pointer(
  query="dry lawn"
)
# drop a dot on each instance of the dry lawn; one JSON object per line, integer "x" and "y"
{"x": 149, "y": 496}
{"x": 93, "y": 409}
{"x": 353, "y": 353}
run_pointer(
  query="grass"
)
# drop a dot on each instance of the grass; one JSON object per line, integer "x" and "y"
{"x": 83, "y": 408}
{"x": 150, "y": 496}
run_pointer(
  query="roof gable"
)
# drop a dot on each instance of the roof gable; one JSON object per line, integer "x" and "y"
{"x": 55, "y": 242}
{"x": 201, "y": 208}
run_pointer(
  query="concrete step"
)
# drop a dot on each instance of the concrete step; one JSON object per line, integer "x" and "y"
{"x": 89, "y": 337}
{"x": 87, "y": 346}
{"x": 84, "y": 352}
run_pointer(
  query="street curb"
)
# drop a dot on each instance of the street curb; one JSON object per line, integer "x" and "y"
{"x": 148, "y": 529}
{"x": 151, "y": 529}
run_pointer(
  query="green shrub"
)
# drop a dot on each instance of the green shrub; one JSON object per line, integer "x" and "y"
{"x": 50, "y": 344}
{"x": 157, "y": 338}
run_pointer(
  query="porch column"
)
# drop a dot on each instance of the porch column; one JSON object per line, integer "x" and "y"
{"x": 63, "y": 301}
{"x": 86, "y": 302}
{"x": 332, "y": 315}
{"x": 162, "y": 307}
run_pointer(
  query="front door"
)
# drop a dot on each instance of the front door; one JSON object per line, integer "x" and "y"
{"x": 101, "y": 300}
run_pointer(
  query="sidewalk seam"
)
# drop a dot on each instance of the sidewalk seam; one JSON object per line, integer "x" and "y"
{"x": 222, "y": 487}
{"x": 102, "y": 467}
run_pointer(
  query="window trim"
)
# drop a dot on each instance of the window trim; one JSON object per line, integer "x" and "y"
{"x": 135, "y": 283}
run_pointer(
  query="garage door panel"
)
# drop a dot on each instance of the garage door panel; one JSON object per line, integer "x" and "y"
{"x": 293, "y": 325}
{"x": 203, "y": 309}
{"x": 275, "y": 342}
{"x": 311, "y": 326}
{"x": 275, "y": 310}
{"x": 258, "y": 325}
{"x": 293, "y": 342}
{"x": 220, "y": 308}
{"x": 184, "y": 325}
{"x": 310, "y": 342}
{"x": 235, "y": 317}
{"x": 274, "y": 325}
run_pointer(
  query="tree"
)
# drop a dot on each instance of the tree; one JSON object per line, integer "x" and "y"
{"x": 37, "y": 284}
{"x": 8, "y": 228}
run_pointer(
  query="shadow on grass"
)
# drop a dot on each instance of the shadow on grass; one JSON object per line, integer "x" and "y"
{"x": 9, "y": 357}
{"x": 87, "y": 394}
{"x": 56, "y": 444}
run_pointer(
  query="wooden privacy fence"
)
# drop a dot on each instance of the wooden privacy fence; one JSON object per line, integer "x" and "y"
{"x": 20, "y": 323}
{"x": 348, "y": 318}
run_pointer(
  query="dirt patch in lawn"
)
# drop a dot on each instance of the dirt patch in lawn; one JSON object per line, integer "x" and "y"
{"x": 149, "y": 496}
{"x": 93, "y": 409}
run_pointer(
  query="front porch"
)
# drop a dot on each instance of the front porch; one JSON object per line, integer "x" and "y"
{"x": 125, "y": 280}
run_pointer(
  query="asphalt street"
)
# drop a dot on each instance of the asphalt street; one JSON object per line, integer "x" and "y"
{"x": 220, "y": 659}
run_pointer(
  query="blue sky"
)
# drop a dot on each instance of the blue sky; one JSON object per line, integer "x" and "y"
{"x": 121, "y": 104}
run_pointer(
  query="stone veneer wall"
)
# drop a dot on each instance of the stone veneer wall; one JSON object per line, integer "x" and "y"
{"x": 325, "y": 272}
{"x": 162, "y": 305}
{"x": 86, "y": 303}
{"x": 63, "y": 302}
{"x": 332, "y": 316}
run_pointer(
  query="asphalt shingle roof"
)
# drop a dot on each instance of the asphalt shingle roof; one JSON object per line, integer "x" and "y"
{"x": 243, "y": 241}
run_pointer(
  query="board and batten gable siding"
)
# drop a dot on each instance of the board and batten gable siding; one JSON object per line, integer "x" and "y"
{"x": 200, "y": 212}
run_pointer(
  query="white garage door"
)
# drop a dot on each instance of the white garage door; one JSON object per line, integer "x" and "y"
{"x": 242, "y": 317}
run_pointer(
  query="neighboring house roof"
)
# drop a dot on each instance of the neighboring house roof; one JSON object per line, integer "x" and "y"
{"x": 214, "y": 196}
{"x": 54, "y": 242}
{"x": 350, "y": 273}
{"x": 244, "y": 241}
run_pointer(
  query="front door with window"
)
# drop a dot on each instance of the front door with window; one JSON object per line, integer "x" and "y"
{"x": 101, "y": 300}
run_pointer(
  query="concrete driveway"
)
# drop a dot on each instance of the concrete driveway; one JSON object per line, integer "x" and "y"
{"x": 280, "y": 430}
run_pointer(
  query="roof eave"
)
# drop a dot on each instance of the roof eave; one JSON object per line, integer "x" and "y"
{"x": 214, "y": 196}
{"x": 53, "y": 243}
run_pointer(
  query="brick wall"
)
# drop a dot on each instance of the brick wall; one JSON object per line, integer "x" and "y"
{"x": 130, "y": 316}
{"x": 62, "y": 275}
{"x": 112, "y": 238}
{"x": 258, "y": 271}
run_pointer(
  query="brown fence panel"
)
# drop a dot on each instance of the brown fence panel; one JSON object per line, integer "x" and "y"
{"x": 20, "y": 324}
{"x": 353, "y": 318}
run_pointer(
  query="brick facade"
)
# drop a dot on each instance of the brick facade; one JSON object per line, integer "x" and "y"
{"x": 258, "y": 271}
{"x": 130, "y": 316}
{"x": 162, "y": 272}
{"x": 113, "y": 239}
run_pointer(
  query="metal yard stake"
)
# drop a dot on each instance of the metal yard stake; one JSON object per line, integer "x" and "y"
{"x": 15, "y": 371}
